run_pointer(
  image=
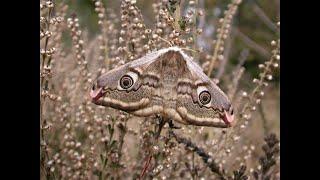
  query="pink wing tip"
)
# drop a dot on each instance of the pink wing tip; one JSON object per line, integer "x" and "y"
{"x": 228, "y": 118}
{"x": 96, "y": 94}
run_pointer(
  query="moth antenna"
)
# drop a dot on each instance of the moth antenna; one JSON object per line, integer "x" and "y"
{"x": 189, "y": 49}
{"x": 170, "y": 44}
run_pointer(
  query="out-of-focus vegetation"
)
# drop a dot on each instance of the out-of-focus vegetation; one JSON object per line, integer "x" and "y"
{"x": 255, "y": 20}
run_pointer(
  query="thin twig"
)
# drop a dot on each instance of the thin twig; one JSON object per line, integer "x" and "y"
{"x": 224, "y": 32}
{"x": 264, "y": 119}
{"x": 237, "y": 74}
{"x": 225, "y": 60}
{"x": 264, "y": 18}
{"x": 158, "y": 129}
{"x": 250, "y": 43}
{"x": 201, "y": 152}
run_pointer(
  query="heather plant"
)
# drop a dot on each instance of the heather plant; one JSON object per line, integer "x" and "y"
{"x": 80, "y": 140}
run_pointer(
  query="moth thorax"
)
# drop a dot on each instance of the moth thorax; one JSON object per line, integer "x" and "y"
{"x": 169, "y": 92}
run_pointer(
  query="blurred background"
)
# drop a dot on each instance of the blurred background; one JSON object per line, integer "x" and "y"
{"x": 255, "y": 24}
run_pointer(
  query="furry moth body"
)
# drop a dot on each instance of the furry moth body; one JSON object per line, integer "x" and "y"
{"x": 165, "y": 82}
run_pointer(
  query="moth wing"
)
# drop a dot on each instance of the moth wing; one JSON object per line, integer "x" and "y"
{"x": 112, "y": 77}
{"x": 220, "y": 99}
{"x": 218, "y": 112}
{"x": 136, "y": 99}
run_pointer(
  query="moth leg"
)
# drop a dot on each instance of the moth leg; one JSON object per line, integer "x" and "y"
{"x": 169, "y": 121}
{"x": 172, "y": 126}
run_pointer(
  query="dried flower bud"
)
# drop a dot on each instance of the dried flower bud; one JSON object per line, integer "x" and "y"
{"x": 49, "y": 4}
{"x": 147, "y": 31}
{"x": 269, "y": 77}
{"x": 220, "y": 57}
{"x": 244, "y": 94}
{"x": 200, "y": 13}
{"x": 258, "y": 101}
{"x": 199, "y": 31}
{"x": 236, "y": 138}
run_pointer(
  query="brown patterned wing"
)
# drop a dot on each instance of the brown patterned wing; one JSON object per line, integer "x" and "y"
{"x": 200, "y": 101}
{"x": 127, "y": 87}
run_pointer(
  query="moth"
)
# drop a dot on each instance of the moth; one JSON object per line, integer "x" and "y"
{"x": 168, "y": 83}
